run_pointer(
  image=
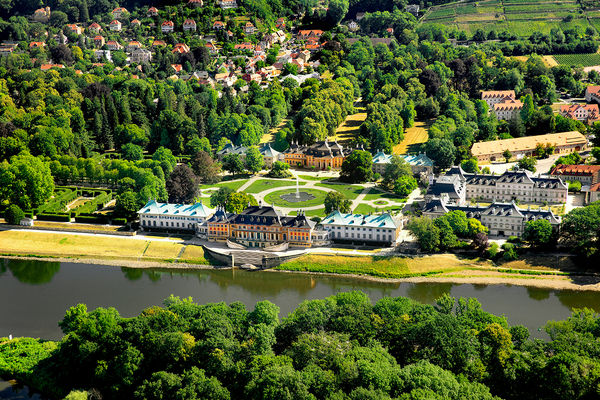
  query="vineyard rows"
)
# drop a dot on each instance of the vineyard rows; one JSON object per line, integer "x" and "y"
{"x": 587, "y": 60}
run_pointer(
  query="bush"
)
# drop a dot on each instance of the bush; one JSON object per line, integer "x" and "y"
{"x": 119, "y": 221}
{"x": 376, "y": 177}
{"x": 91, "y": 220}
{"x": 574, "y": 186}
{"x": 509, "y": 252}
{"x": 13, "y": 215}
{"x": 493, "y": 250}
{"x": 54, "y": 217}
{"x": 514, "y": 239}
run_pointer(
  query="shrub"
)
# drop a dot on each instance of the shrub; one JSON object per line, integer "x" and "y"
{"x": 574, "y": 186}
{"x": 509, "y": 252}
{"x": 514, "y": 239}
{"x": 493, "y": 250}
{"x": 119, "y": 221}
{"x": 54, "y": 217}
{"x": 13, "y": 214}
{"x": 91, "y": 220}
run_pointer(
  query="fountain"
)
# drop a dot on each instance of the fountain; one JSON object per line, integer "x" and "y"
{"x": 297, "y": 189}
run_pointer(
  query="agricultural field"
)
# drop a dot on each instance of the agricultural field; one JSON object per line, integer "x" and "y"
{"x": 587, "y": 60}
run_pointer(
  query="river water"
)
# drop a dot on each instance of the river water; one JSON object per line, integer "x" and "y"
{"x": 35, "y": 294}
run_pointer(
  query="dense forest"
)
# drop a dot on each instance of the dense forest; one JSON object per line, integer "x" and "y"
{"x": 341, "y": 347}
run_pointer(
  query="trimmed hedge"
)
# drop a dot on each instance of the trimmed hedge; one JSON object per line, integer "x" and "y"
{"x": 91, "y": 220}
{"x": 96, "y": 203}
{"x": 119, "y": 221}
{"x": 54, "y": 217}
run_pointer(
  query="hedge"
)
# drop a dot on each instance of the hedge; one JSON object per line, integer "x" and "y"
{"x": 119, "y": 221}
{"x": 54, "y": 217}
{"x": 91, "y": 220}
{"x": 58, "y": 203}
{"x": 97, "y": 202}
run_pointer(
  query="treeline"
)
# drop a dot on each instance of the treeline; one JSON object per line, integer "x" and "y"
{"x": 341, "y": 347}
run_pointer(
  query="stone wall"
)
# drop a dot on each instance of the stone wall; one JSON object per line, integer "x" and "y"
{"x": 66, "y": 229}
{"x": 274, "y": 261}
{"x": 226, "y": 259}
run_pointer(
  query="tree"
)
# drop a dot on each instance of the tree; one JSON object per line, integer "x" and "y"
{"x": 205, "y": 168}
{"x": 13, "y": 214}
{"x": 405, "y": 185}
{"x": 221, "y": 196}
{"x": 254, "y": 160}
{"x": 239, "y": 201}
{"x": 528, "y": 163}
{"x": 538, "y": 233}
{"x": 470, "y": 165}
{"x": 132, "y": 152}
{"x": 127, "y": 205}
{"x": 507, "y": 155}
{"x": 580, "y": 229}
{"x": 61, "y": 54}
{"x": 26, "y": 181}
{"x": 337, "y": 201}
{"x": 442, "y": 152}
{"x": 396, "y": 168}
{"x": 480, "y": 242}
{"x": 509, "y": 253}
{"x": 357, "y": 167}
{"x": 280, "y": 169}
{"x": 426, "y": 233}
{"x": 233, "y": 163}
{"x": 182, "y": 184}
{"x": 58, "y": 18}
{"x": 337, "y": 11}
{"x": 166, "y": 158}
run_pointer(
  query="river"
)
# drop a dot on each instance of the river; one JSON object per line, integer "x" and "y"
{"x": 35, "y": 294}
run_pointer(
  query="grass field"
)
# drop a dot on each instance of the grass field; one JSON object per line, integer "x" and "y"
{"x": 235, "y": 185}
{"x": 384, "y": 267}
{"x": 270, "y": 137}
{"x": 265, "y": 184}
{"x": 314, "y": 178}
{"x": 350, "y": 127}
{"x": 161, "y": 251}
{"x": 414, "y": 137}
{"x": 82, "y": 227}
{"x": 366, "y": 208}
{"x": 195, "y": 255}
{"x": 350, "y": 191}
{"x": 375, "y": 194}
{"x": 543, "y": 263}
{"x": 312, "y": 213}
{"x": 587, "y": 60}
{"x": 273, "y": 198}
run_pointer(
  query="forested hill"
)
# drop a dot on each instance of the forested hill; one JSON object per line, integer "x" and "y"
{"x": 338, "y": 348}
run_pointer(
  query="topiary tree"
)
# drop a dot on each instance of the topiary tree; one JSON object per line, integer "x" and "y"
{"x": 13, "y": 214}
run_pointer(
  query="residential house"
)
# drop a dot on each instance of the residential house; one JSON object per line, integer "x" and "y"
{"x": 118, "y": 12}
{"x": 133, "y": 45}
{"x": 588, "y": 113}
{"x": 158, "y": 43}
{"x": 152, "y": 12}
{"x": 360, "y": 16}
{"x": 564, "y": 142}
{"x": 157, "y": 216}
{"x": 167, "y": 27}
{"x": 35, "y": 45}
{"x": 280, "y": 35}
{"x": 177, "y": 68}
{"x": 207, "y": 81}
{"x": 390, "y": 31}
{"x": 413, "y": 9}
{"x": 99, "y": 41}
{"x": 230, "y": 35}
{"x": 6, "y": 51}
{"x": 320, "y": 155}
{"x": 593, "y": 194}
{"x": 244, "y": 46}
{"x": 310, "y": 34}
{"x": 353, "y": 26}
{"x": 195, "y": 3}
{"x": 502, "y": 219}
{"x": 280, "y": 23}
{"x": 249, "y": 29}
{"x": 588, "y": 175}
{"x": 227, "y": 79}
{"x": 101, "y": 54}
{"x": 41, "y": 15}
{"x": 75, "y": 29}
{"x": 299, "y": 64}
{"x": 95, "y": 28}
{"x": 304, "y": 55}
{"x": 492, "y": 97}
{"x": 189, "y": 25}
{"x": 136, "y": 23}
{"x": 212, "y": 49}
{"x": 507, "y": 108}
{"x": 141, "y": 56}
{"x": 419, "y": 163}
{"x": 217, "y": 25}
{"x": 181, "y": 48}
{"x": 114, "y": 45}
{"x": 252, "y": 77}
{"x": 225, "y": 4}
{"x": 115, "y": 26}
{"x": 230, "y": 148}
{"x": 591, "y": 94}
{"x": 361, "y": 228}
{"x": 259, "y": 50}
{"x": 46, "y": 67}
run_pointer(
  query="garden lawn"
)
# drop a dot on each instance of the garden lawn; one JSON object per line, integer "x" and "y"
{"x": 312, "y": 213}
{"x": 350, "y": 191}
{"x": 235, "y": 185}
{"x": 376, "y": 194}
{"x": 273, "y": 198}
{"x": 314, "y": 178}
{"x": 366, "y": 208}
{"x": 266, "y": 184}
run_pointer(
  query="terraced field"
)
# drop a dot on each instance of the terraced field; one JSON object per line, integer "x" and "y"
{"x": 521, "y": 17}
{"x": 587, "y": 60}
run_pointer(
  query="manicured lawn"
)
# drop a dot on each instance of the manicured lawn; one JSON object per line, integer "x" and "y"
{"x": 195, "y": 255}
{"x": 162, "y": 251}
{"x": 235, "y": 185}
{"x": 314, "y": 178}
{"x": 266, "y": 184}
{"x": 273, "y": 198}
{"x": 350, "y": 191}
{"x": 376, "y": 194}
{"x": 312, "y": 213}
{"x": 81, "y": 227}
{"x": 366, "y": 208}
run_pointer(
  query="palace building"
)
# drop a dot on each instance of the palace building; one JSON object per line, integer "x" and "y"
{"x": 155, "y": 215}
{"x": 319, "y": 155}
{"x": 377, "y": 228}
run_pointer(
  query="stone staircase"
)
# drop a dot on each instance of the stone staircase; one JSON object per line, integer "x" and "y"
{"x": 242, "y": 257}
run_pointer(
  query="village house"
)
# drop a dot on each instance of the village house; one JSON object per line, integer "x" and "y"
{"x": 6, "y": 51}
{"x": 280, "y": 23}
{"x": 217, "y": 25}
{"x": 360, "y": 228}
{"x": 46, "y": 67}
{"x": 181, "y": 48}
{"x": 520, "y": 185}
{"x": 492, "y": 97}
{"x": 41, "y": 15}
{"x": 244, "y": 46}
{"x": 75, "y": 29}
{"x": 591, "y": 94}
{"x": 413, "y": 9}
{"x": 212, "y": 49}
{"x": 167, "y": 27}
{"x": 502, "y": 219}
{"x": 158, "y": 43}
{"x": 588, "y": 113}
{"x": 353, "y": 26}
{"x": 99, "y": 41}
{"x": 419, "y": 163}
{"x": 177, "y": 68}
{"x": 230, "y": 35}
{"x": 95, "y": 28}
{"x": 195, "y": 3}
{"x": 152, "y": 12}
{"x": 225, "y": 4}
{"x": 564, "y": 142}
{"x": 141, "y": 56}
{"x": 586, "y": 174}
{"x": 252, "y": 78}
{"x": 35, "y": 45}
{"x": 114, "y": 45}
{"x": 115, "y": 25}
{"x": 102, "y": 54}
{"x": 360, "y": 16}
{"x": 133, "y": 45}
{"x": 507, "y": 108}
{"x": 162, "y": 216}
{"x": 189, "y": 25}
{"x": 249, "y": 29}
{"x": 136, "y": 23}
{"x": 310, "y": 34}
{"x": 390, "y": 31}
{"x": 118, "y": 12}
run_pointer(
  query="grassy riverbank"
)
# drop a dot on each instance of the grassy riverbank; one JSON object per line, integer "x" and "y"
{"x": 73, "y": 246}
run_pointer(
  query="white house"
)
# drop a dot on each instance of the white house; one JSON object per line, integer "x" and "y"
{"x": 360, "y": 228}
{"x": 167, "y": 27}
{"x": 155, "y": 215}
